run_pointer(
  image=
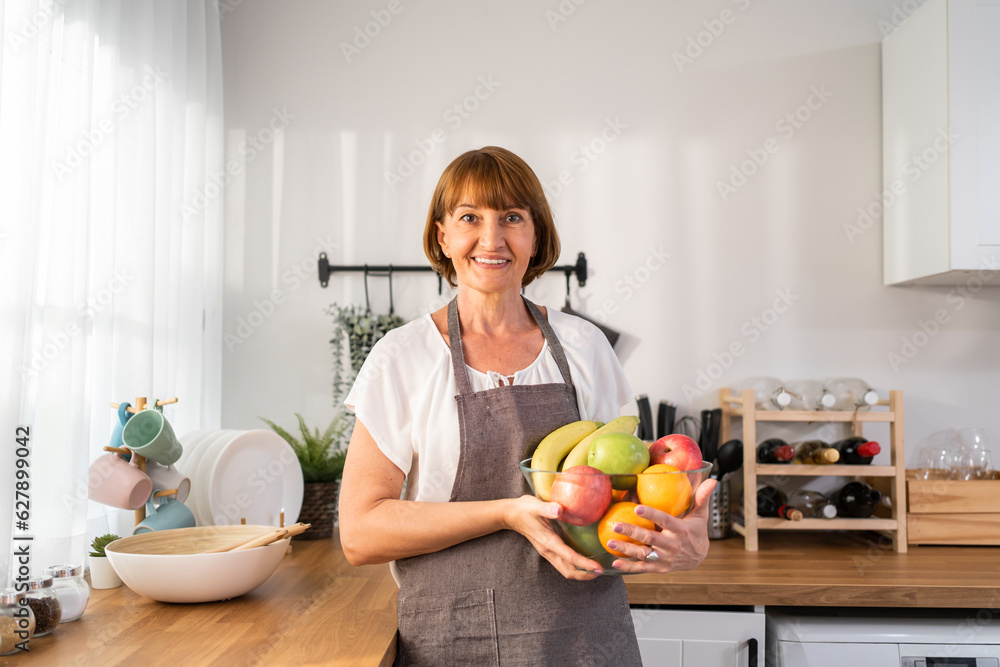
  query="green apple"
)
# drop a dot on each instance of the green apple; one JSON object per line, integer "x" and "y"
{"x": 583, "y": 539}
{"x": 619, "y": 454}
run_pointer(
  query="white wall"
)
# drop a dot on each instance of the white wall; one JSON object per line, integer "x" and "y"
{"x": 321, "y": 185}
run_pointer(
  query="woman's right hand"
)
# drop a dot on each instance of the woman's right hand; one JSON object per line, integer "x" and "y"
{"x": 530, "y": 516}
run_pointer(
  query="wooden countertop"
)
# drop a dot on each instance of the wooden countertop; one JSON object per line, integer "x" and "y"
{"x": 318, "y": 609}
{"x": 829, "y": 569}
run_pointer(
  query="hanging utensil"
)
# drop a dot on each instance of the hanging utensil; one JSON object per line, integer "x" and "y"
{"x": 391, "y": 308}
{"x": 729, "y": 459}
{"x": 610, "y": 334}
{"x": 368, "y": 304}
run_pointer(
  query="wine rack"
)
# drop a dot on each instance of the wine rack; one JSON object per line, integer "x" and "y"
{"x": 744, "y": 407}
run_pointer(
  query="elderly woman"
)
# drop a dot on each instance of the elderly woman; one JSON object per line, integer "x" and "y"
{"x": 449, "y": 404}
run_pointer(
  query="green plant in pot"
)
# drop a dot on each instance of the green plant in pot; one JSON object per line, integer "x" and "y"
{"x": 321, "y": 456}
{"x": 102, "y": 575}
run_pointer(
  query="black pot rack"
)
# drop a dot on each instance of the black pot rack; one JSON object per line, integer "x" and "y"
{"x": 325, "y": 269}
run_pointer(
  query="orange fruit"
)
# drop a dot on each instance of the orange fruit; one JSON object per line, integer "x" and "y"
{"x": 618, "y": 496}
{"x": 666, "y": 492}
{"x": 620, "y": 513}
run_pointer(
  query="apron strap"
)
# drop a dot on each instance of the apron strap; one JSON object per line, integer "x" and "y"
{"x": 555, "y": 347}
{"x": 463, "y": 384}
{"x": 462, "y": 381}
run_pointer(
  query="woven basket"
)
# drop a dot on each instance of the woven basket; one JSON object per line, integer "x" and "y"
{"x": 319, "y": 505}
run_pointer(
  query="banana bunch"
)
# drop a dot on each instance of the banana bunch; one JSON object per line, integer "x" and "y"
{"x": 568, "y": 445}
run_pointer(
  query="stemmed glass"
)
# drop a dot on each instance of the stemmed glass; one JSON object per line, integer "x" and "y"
{"x": 933, "y": 462}
{"x": 969, "y": 456}
{"x": 933, "y": 457}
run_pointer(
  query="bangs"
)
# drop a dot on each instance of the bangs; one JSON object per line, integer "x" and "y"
{"x": 485, "y": 182}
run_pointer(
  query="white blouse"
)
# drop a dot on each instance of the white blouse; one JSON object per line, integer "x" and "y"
{"x": 405, "y": 394}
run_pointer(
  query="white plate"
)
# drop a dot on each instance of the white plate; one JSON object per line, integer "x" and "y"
{"x": 196, "y": 445}
{"x": 254, "y": 476}
{"x": 201, "y": 475}
{"x": 190, "y": 442}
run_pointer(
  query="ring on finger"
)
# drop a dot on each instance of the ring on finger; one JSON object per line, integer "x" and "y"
{"x": 652, "y": 555}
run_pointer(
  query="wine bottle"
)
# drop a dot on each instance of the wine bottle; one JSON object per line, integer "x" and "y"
{"x": 774, "y": 450}
{"x": 851, "y": 393}
{"x": 857, "y": 450}
{"x": 809, "y": 395}
{"x": 769, "y": 393}
{"x": 771, "y": 501}
{"x": 814, "y": 504}
{"x": 815, "y": 452}
{"x": 857, "y": 499}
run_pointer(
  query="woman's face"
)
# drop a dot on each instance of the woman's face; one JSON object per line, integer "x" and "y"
{"x": 490, "y": 248}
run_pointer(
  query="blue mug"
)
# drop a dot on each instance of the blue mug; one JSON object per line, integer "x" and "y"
{"x": 116, "y": 433}
{"x": 171, "y": 513}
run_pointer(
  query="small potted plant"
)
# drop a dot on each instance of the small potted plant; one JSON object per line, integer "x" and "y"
{"x": 102, "y": 575}
{"x": 321, "y": 456}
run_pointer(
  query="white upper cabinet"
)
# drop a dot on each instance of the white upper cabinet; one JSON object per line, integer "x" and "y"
{"x": 941, "y": 145}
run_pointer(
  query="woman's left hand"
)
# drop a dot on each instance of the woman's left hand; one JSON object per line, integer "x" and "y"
{"x": 680, "y": 544}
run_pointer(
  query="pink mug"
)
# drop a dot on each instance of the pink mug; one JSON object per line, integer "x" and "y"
{"x": 119, "y": 483}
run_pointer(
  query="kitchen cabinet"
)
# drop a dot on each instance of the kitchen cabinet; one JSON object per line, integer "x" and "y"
{"x": 941, "y": 147}
{"x": 693, "y": 638}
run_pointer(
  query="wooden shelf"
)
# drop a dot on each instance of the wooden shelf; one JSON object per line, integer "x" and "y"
{"x": 825, "y": 471}
{"x": 873, "y": 523}
{"x": 744, "y": 407}
{"x": 818, "y": 417}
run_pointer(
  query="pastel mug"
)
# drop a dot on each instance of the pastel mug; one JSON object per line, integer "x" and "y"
{"x": 169, "y": 477}
{"x": 116, "y": 433}
{"x": 149, "y": 434}
{"x": 119, "y": 483}
{"x": 170, "y": 513}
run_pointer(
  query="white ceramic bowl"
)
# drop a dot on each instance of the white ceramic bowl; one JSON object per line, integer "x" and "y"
{"x": 169, "y": 565}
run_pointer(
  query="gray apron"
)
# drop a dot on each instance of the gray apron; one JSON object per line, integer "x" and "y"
{"x": 494, "y": 600}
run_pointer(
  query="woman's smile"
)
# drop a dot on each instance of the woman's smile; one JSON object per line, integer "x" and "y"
{"x": 491, "y": 262}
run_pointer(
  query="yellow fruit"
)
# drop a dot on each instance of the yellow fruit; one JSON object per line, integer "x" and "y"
{"x": 578, "y": 457}
{"x": 553, "y": 448}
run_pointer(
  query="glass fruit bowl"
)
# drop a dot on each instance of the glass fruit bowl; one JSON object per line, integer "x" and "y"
{"x": 593, "y": 502}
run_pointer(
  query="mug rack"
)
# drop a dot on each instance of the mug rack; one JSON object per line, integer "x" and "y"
{"x": 579, "y": 269}
{"x": 140, "y": 405}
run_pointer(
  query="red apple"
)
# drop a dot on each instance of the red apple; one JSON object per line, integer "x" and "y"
{"x": 584, "y": 493}
{"x": 677, "y": 450}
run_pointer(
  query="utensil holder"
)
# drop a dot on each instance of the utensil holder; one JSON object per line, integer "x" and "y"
{"x": 718, "y": 511}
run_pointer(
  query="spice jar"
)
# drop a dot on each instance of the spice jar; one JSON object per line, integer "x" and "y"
{"x": 17, "y": 622}
{"x": 71, "y": 589}
{"x": 43, "y": 601}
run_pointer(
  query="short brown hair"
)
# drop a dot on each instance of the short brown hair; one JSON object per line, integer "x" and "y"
{"x": 493, "y": 177}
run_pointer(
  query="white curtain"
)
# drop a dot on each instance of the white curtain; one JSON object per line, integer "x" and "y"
{"x": 110, "y": 249}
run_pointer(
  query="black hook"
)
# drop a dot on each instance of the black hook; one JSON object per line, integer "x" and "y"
{"x": 568, "y": 274}
{"x": 391, "y": 309}
{"x": 368, "y": 305}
